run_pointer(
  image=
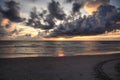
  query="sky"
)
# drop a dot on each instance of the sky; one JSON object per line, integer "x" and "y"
{"x": 54, "y": 18}
{"x": 27, "y": 5}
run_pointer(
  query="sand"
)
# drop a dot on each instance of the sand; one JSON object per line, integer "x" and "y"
{"x": 97, "y": 67}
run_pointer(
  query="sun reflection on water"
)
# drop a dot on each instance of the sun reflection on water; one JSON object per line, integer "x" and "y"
{"x": 60, "y": 52}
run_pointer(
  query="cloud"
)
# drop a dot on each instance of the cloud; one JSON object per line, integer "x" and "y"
{"x": 48, "y": 17}
{"x": 91, "y": 6}
{"x": 42, "y": 23}
{"x": 1, "y": 16}
{"x": 69, "y": 1}
{"x": 103, "y": 20}
{"x": 76, "y": 7}
{"x": 40, "y": 19}
{"x": 8, "y": 15}
{"x": 55, "y": 10}
{"x": 12, "y": 11}
{"x": 115, "y": 3}
{"x": 33, "y": 0}
{"x": 11, "y": 30}
{"x": 6, "y": 27}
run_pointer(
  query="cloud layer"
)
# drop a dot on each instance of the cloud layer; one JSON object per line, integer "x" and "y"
{"x": 54, "y": 21}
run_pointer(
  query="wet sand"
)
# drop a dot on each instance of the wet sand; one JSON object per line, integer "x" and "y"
{"x": 95, "y": 67}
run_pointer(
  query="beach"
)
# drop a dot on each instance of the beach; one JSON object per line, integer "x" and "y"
{"x": 84, "y": 67}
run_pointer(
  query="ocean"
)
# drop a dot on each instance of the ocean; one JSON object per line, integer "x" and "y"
{"x": 17, "y": 49}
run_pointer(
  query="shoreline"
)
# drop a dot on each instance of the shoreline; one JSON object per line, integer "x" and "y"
{"x": 67, "y": 56}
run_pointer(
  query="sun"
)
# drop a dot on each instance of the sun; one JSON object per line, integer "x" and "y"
{"x": 61, "y": 38}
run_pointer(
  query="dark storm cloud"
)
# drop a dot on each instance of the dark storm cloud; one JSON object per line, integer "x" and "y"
{"x": 76, "y": 7}
{"x": 33, "y": 0}
{"x": 1, "y": 16}
{"x": 69, "y": 1}
{"x": 88, "y": 5}
{"x": 12, "y": 12}
{"x": 1, "y": 30}
{"x": 55, "y": 10}
{"x": 36, "y": 16}
{"x": 100, "y": 22}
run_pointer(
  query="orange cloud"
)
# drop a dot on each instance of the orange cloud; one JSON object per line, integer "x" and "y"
{"x": 7, "y": 25}
{"x": 92, "y": 6}
{"x": 4, "y": 22}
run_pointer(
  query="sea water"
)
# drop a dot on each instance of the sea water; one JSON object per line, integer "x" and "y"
{"x": 16, "y": 49}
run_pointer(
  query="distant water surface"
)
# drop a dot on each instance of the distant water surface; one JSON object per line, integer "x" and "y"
{"x": 14, "y": 49}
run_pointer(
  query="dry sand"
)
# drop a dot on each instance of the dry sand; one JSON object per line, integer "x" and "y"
{"x": 97, "y": 67}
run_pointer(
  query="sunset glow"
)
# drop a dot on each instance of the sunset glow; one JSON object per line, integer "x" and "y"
{"x": 91, "y": 8}
{"x": 102, "y": 37}
{"x": 60, "y": 52}
{"x": 7, "y": 25}
{"x": 4, "y": 22}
